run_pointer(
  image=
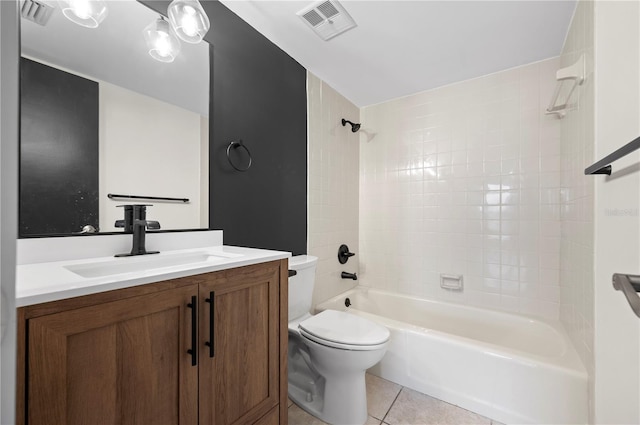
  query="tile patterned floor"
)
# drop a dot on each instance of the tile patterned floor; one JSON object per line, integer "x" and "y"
{"x": 393, "y": 404}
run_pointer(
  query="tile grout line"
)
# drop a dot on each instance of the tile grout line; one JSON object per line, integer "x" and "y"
{"x": 390, "y": 407}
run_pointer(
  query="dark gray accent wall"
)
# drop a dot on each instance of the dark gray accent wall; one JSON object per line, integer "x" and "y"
{"x": 58, "y": 151}
{"x": 259, "y": 96}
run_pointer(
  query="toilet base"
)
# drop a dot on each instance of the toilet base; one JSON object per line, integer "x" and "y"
{"x": 342, "y": 402}
{"x": 329, "y": 387}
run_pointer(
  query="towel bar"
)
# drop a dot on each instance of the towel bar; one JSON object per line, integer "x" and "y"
{"x": 155, "y": 198}
{"x": 603, "y": 166}
{"x": 630, "y": 286}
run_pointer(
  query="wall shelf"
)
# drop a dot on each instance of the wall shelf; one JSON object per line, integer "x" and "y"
{"x": 569, "y": 79}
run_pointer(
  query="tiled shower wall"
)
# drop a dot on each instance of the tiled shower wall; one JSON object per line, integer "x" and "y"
{"x": 465, "y": 179}
{"x": 333, "y": 186}
{"x": 577, "y": 242}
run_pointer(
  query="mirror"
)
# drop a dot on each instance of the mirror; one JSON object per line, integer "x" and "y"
{"x": 100, "y": 117}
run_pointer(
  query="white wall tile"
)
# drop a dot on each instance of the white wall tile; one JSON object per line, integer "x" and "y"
{"x": 490, "y": 166}
{"x": 333, "y": 188}
{"x": 572, "y": 284}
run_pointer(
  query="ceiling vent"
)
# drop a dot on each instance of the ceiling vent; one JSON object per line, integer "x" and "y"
{"x": 327, "y": 19}
{"x": 36, "y": 11}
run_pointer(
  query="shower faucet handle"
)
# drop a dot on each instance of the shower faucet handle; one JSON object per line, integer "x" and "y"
{"x": 344, "y": 254}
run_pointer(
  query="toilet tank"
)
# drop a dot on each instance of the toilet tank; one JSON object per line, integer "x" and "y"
{"x": 301, "y": 285}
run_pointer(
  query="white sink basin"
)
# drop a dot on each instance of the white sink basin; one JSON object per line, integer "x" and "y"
{"x": 144, "y": 263}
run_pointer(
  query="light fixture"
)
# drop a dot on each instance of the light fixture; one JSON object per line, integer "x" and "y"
{"x": 163, "y": 45}
{"x": 189, "y": 20}
{"x": 87, "y": 13}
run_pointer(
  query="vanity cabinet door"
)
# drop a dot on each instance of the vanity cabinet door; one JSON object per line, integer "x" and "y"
{"x": 241, "y": 382}
{"x": 123, "y": 362}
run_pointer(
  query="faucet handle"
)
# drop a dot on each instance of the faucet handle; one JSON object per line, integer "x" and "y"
{"x": 153, "y": 225}
{"x": 344, "y": 254}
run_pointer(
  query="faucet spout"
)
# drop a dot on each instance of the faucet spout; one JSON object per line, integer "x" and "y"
{"x": 346, "y": 275}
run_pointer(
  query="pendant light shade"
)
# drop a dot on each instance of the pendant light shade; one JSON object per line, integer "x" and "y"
{"x": 189, "y": 20}
{"x": 163, "y": 45}
{"x": 87, "y": 13}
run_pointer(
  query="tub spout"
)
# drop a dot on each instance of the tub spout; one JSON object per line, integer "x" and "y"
{"x": 346, "y": 275}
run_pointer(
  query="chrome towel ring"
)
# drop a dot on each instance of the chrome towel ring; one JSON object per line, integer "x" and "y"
{"x": 235, "y": 144}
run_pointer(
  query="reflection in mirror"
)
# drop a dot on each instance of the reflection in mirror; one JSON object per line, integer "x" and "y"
{"x": 100, "y": 116}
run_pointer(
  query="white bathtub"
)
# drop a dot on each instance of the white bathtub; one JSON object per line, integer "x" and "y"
{"x": 510, "y": 368}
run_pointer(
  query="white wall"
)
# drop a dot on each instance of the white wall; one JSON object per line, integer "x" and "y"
{"x": 152, "y": 148}
{"x": 333, "y": 187}
{"x": 9, "y": 83}
{"x": 577, "y": 242}
{"x": 617, "y": 202}
{"x": 465, "y": 179}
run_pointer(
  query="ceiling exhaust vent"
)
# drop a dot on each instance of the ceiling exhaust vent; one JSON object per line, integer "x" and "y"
{"x": 36, "y": 11}
{"x": 327, "y": 19}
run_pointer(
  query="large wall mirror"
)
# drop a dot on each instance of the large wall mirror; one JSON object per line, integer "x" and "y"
{"x": 100, "y": 117}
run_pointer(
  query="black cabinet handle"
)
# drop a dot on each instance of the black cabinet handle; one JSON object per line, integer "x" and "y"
{"x": 193, "y": 305}
{"x": 210, "y": 343}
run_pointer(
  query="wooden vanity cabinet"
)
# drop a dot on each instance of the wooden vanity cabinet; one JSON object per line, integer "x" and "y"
{"x": 240, "y": 370}
{"x": 127, "y": 356}
{"x": 118, "y": 362}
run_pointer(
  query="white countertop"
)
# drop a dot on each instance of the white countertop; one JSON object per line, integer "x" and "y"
{"x": 43, "y": 282}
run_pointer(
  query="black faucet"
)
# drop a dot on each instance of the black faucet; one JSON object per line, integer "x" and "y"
{"x": 346, "y": 275}
{"x": 135, "y": 222}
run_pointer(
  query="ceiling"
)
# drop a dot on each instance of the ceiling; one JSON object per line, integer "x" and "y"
{"x": 116, "y": 52}
{"x": 403, "y": 47}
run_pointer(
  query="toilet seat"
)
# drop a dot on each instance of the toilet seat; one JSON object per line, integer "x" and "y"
{"x": 345, "y": 331}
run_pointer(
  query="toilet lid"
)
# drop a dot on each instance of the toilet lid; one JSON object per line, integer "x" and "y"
{"x": 344, "y": 328}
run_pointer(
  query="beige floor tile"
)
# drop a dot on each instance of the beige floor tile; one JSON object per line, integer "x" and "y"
{"x": 297, "y": 416}
{"x": 414, "y": 408}
{"x": 410, "y": 408}
{"x": 380, "y": 395}
{"x": 289, "y": 402}
{"x": 372, "y": 421}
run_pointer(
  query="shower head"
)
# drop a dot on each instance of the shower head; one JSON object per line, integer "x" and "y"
{"x": 354, "y": 127}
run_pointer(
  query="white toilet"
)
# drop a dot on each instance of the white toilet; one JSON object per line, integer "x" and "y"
{"x": 329, "y": 353}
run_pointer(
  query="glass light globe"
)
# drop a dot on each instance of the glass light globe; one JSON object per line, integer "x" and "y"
{"x": 87, "y": 13}
{"x": 189, "y": 20}
{"x": 163, "y": 45}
